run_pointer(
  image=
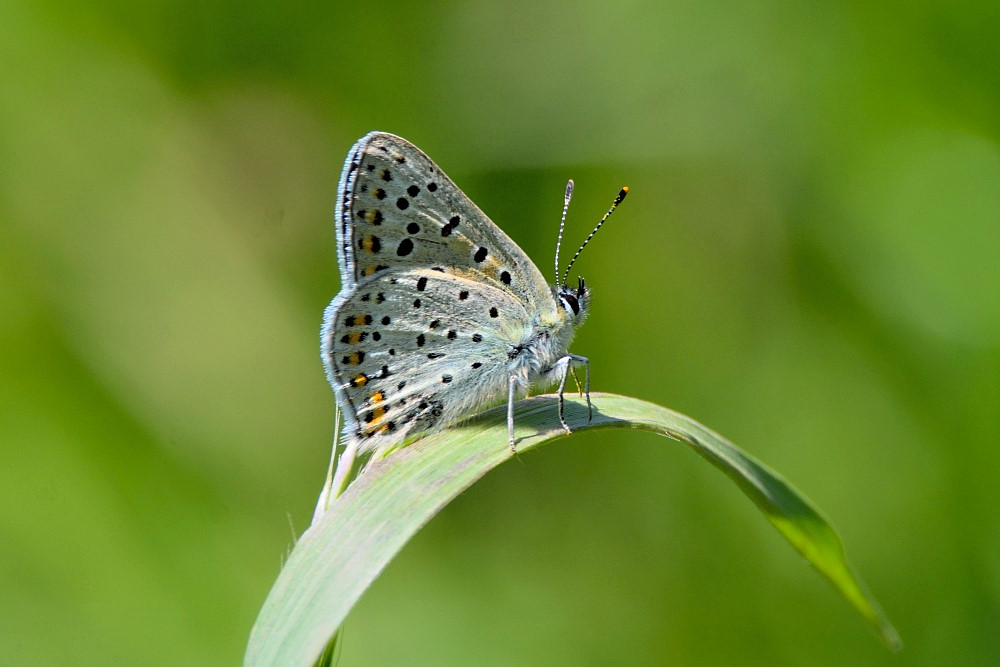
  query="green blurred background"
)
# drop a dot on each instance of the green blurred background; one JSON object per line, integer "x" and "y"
{"x": 807, "y": 263}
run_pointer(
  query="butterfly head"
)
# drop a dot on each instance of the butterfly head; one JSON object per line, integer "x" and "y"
{"x": 575, "y": 301}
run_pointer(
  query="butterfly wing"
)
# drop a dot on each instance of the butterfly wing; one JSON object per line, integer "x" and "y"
{"x": 396, "y": 210}
{"x": 397, "y": 343}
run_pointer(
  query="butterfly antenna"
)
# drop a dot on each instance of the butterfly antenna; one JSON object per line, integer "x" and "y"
{"x": 618, "y": 200}
{"x": 562, "y": 223}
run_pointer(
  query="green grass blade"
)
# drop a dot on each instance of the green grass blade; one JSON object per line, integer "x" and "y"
{"x": 339, "y": 557}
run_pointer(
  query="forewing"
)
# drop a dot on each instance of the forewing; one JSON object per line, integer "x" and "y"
{"x": 411, "y": 351}
{"x": 397, "y": 210}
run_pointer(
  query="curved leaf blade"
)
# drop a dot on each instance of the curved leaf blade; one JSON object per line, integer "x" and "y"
{"x": 339, "y": 557}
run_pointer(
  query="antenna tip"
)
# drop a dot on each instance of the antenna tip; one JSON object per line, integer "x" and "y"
{"x": 621, "y": 195}
{"x": 569, "y": 187}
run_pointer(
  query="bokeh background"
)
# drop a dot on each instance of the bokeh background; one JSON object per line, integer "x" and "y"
{"x": 808, "y": 263}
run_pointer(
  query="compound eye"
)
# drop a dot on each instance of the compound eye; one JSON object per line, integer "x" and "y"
{"x": 570, "y": 302}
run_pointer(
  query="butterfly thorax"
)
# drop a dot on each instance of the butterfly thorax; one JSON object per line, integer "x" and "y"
{"x": 541, "y": 345}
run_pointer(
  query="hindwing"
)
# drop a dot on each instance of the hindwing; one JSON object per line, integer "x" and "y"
{"x": 411, "y": 350}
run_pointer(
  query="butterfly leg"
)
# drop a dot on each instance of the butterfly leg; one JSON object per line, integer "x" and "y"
{"x": 576, "y": 380}
{"x": 511, "y": 386}
{"x": 567, "y": 363}
{"x": 564, "y": 362}
{"x": 586, "y": 387}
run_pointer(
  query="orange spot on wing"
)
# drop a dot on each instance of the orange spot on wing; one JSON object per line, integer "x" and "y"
{"x": 357, "y": 320}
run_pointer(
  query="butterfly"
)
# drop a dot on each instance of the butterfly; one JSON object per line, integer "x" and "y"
{"x": 439, "y": 313}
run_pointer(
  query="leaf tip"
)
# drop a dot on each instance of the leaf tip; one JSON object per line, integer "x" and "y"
{"x": 890, "y": 637}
